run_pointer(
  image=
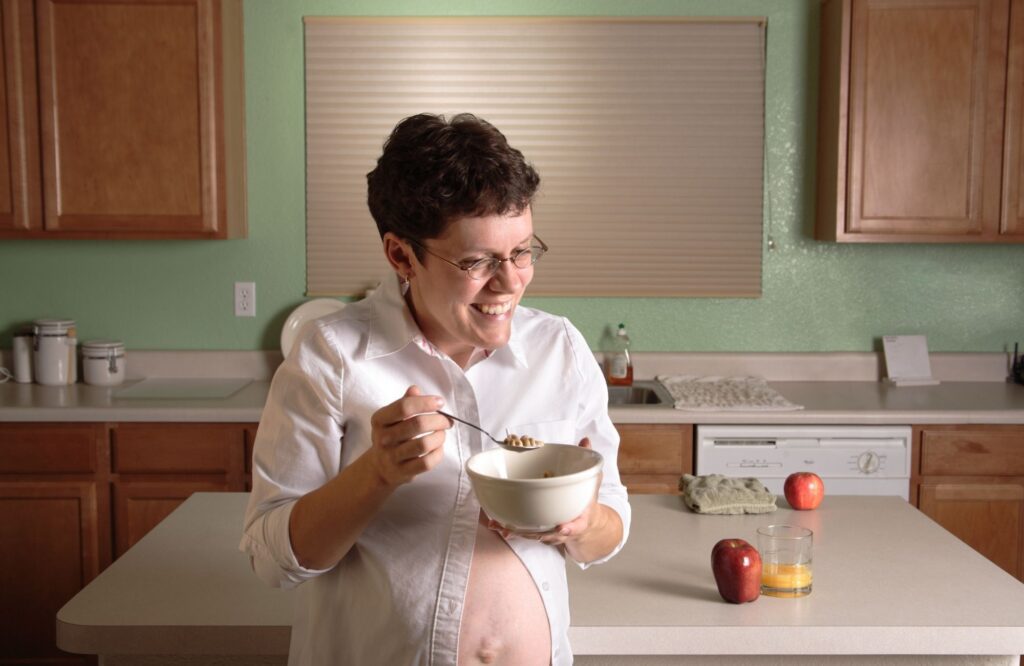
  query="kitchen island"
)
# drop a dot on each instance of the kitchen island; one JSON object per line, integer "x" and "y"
{"x": 890, "y": 586}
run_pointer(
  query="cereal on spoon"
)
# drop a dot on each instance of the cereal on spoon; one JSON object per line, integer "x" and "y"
{"x": 524, "y": 441}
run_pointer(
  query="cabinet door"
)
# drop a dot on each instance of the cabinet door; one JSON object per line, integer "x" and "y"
{"x": 51, "y": 549}
{"x": 911, "y": 119}
{"x": 133, "y": 136}
{"x": 985, "y": 515}
{"x": 1012, "y": 220}
{"x": 158, "y": 465}
{"x": 20, "y": 190}
{"x": 140, "y": 505}
{"x": 653, "y": 457}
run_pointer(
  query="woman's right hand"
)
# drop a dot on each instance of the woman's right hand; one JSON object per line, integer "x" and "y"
{"x": 401, "y": 451}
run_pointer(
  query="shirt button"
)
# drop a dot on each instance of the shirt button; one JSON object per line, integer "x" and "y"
{"x": 544, "y": 586}
{"x": 452, "y": 607}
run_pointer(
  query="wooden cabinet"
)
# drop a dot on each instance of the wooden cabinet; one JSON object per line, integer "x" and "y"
{"x": 912, "y": 144}
{"x": 54, "y": 527}
{"x": 72, "y": 496}
{"x": 653, "y": 457}
{"x": 21, "y": 198}
{"x": 970, "y": 479}
{"x": 140, "y": 505}
{"x": 158, "y": 465}
{"x": 126, "y": 119}
{"x": 250, "y": 441}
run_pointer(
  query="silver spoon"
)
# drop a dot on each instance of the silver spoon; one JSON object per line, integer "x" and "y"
{"x": 500, "y": 442}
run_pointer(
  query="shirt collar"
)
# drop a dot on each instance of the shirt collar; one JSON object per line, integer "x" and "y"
{"x": 393, "y": 328}
{"x": 515, "y": 345}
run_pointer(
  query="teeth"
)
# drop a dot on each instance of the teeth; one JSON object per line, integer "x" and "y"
{"x": 494, "y": 309}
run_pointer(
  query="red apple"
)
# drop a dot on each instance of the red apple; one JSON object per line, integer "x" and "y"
{"x": 804, "y": 490}
{"x": 737, "y": 568}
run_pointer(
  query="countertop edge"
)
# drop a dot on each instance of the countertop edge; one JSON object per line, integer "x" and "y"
{"x": 807, "y": 640}
{"x": 178, "y": 640}
{"x": 590, "y": 640}
{"x": 146, "y": 415}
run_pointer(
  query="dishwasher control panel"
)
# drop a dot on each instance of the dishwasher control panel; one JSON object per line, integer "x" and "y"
{"x": 852, "y": 460}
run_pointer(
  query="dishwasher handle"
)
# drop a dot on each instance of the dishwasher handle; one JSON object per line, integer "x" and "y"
{"x": 864, "y": 443}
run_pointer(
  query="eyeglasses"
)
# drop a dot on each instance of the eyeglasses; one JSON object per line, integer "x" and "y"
{"x": 484, "y": 269}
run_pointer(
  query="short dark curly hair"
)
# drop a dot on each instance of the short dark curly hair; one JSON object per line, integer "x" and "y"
{"x": 435, "y": 171}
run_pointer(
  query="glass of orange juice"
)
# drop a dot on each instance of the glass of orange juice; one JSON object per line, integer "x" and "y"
{"x": 785, "y": 560}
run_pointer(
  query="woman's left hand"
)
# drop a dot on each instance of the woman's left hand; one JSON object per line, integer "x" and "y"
{"x": 563, "y": 533}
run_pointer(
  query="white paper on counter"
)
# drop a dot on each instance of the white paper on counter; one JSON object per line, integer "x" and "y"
{"x": 906, "y": 360}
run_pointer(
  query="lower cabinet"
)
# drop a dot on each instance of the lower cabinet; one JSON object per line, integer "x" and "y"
{"x": 970, "y": 480}
{"x": 75, "y": 495}
{"x": 54, "y": 530}
{"x": 653, "y": 457}
{"x": 158, "y": 465}
{"x": 51, "y": 533}
{"x": 140, "y": 505}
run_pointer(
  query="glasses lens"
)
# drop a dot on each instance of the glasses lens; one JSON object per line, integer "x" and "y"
{"x": 483, "y": 269}
{"x": 523, "y": 258}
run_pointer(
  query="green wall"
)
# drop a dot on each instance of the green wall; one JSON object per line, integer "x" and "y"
{"x": 817, "y": 296}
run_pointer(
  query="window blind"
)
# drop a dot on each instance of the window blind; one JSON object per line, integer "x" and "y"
{"x": 648, "y": 136}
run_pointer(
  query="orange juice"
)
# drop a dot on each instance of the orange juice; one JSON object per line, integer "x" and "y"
{"x": 786, "y": 580}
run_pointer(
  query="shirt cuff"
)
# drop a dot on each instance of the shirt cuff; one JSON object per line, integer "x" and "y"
{"x": 619, "y": 505}
{"x": 267, "y": 541}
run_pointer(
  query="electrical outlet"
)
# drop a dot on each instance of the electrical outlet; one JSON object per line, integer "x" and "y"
{"x": 245, "y": 299}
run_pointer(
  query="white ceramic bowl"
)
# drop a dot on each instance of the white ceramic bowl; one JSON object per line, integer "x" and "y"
{"x": 512, "y": 488}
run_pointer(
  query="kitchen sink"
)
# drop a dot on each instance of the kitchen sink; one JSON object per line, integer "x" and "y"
{"x": 640, "y": 394}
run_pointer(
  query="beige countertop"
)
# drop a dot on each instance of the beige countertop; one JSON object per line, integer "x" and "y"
{"x": 888, "y": 581}
{"x": 862, "y": 402}
{"x": 824, "y": 402}
{"x": 81, "y": 402}
{"x": 833, "y": 388}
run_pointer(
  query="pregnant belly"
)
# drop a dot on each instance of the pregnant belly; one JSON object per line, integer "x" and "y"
{"x": 503, "y": 620}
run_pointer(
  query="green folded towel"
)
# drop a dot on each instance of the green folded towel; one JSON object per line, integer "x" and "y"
{"x": 715, "y": 493}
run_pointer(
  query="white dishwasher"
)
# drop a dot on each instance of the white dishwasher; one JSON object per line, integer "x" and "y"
{"x": 851, "y": 460}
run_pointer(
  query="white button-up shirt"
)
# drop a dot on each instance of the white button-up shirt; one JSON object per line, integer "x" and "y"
{"x": 397, "y": 595}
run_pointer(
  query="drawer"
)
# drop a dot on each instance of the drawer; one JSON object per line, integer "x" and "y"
{"x": 178, "y": 447}
{"x": 50, "y": 448}
{"x": 973, "y": 451}
{"x": 655, "y": 449}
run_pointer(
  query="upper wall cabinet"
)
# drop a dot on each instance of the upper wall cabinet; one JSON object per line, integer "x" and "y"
{"x": 912, "y": 142}
{"x": 123, "y": 119}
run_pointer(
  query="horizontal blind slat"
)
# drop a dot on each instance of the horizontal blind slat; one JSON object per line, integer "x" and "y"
{"x": 648, "y": 136}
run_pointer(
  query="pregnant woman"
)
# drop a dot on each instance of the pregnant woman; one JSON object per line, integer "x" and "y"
{"x": 360, "y": 495}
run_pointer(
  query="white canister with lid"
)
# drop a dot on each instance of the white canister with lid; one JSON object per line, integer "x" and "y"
{"x": 103, "y": 362}
{"x": 54, "y": 359}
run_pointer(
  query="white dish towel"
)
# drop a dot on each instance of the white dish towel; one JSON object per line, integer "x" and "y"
{"x": 715, "y": 394}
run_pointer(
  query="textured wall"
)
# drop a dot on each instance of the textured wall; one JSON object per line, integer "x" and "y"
{"x": 816, "y": 296}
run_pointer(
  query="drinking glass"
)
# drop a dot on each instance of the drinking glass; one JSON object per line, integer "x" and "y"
{"x": 785, "y": 560}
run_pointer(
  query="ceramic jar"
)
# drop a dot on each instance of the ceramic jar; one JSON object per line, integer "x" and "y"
{"x": 103, "y": 362}
{"x": 54, "y": 361}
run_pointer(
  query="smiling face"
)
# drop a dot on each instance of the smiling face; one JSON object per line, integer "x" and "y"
{"x": 457, "y": 314}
